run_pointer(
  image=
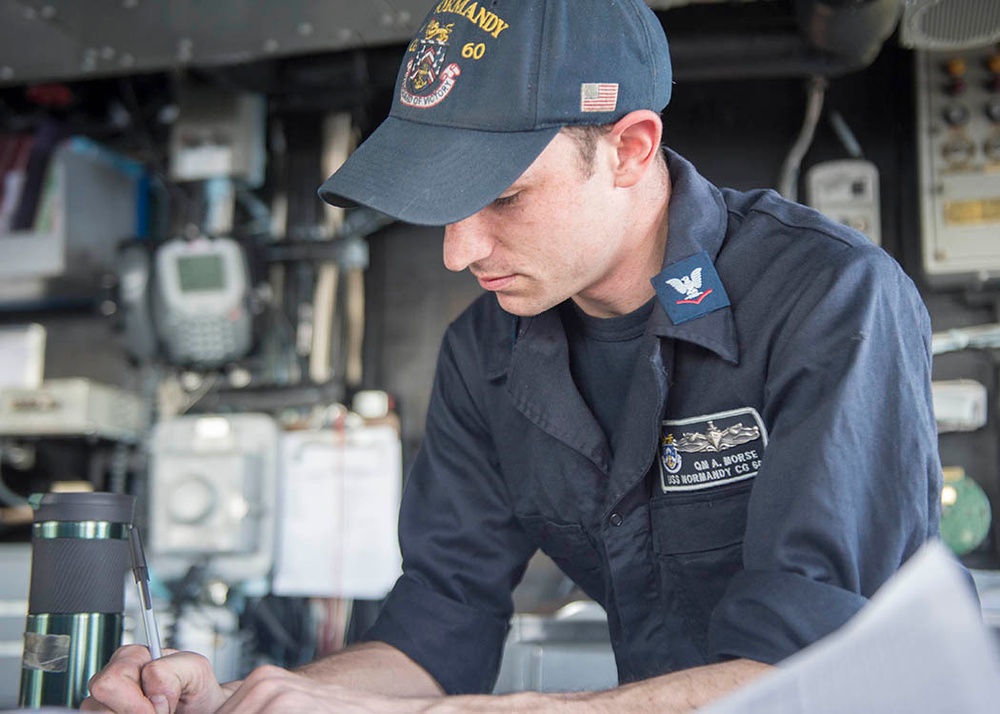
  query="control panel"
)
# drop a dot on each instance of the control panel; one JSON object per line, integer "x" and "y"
{"x": 958, "y": 133}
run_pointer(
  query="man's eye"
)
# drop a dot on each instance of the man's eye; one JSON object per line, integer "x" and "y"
{"x": 504, "y": 201}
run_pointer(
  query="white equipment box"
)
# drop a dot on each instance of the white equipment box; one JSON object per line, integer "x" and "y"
{"x": 72, "y": 407}
{"x": 959, "y": 405}
{"x": 213, "y": 496}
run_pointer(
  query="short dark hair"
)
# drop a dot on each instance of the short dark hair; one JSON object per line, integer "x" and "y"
{"x": 586, "y": 137}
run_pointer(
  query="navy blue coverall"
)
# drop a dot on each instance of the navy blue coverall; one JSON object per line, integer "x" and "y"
{"x": 775, "y": 464}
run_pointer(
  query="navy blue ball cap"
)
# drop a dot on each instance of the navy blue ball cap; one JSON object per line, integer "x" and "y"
{"x": 485, "y": 86}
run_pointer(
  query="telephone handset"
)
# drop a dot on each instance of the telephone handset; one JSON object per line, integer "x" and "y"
{"x": 134, "y": 285}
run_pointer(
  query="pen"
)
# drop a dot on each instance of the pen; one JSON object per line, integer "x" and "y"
{"x": 141, "y": 572}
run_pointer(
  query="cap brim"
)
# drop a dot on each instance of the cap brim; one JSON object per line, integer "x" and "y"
{"x": 432, "y": 175}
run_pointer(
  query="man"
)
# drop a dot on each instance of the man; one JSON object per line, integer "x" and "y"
{"x": 710, "y": 408}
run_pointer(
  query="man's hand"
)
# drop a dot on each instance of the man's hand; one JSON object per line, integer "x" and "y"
{"x": 275, "y": 690}
{"x": 364, "y": 677}
{"x": 178, "y": 683}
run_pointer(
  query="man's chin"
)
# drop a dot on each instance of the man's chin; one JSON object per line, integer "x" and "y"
{"x": 522, "y": 307}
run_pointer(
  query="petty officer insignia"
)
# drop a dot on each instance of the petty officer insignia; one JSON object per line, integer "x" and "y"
{"x": 690, "y": 288}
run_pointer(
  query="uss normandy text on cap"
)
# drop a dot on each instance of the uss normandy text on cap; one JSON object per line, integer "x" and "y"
{"x": 485, "y": 86}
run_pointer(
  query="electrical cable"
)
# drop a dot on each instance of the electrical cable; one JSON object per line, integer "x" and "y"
{"x": 847, "y": 138}
{"x": 789, "y": 177}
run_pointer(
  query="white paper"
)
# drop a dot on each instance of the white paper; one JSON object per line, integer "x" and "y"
{"x": 919, "y": 647}
{"x": 340, "y": 496}
{"x": 22, "y": 356}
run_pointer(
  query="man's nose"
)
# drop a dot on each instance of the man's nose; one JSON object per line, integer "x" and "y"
{"x": 466, "y": 242}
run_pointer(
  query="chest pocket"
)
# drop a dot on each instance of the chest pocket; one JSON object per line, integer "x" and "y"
{"x": 569, "y": 547}
{"x": 698, "y": 540}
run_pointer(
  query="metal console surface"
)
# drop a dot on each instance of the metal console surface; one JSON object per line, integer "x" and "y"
{"x": 564, "y": 652}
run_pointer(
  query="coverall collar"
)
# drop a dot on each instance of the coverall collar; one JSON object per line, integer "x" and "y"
{"x": 697, "y": 220}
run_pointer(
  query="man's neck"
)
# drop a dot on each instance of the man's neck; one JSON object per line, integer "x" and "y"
{"x": 631, "y": 288}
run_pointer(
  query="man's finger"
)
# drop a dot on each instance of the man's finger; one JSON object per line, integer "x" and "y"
{"x": 117, "y": 687}
{"x": 183, "y": 678}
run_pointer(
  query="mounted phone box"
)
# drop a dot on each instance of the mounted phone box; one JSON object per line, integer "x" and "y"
{"x": 186, "y": 300}
{"x": 847, "y": 191}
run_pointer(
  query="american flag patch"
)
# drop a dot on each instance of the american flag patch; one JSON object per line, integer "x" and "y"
{"x": 598, "y": 97}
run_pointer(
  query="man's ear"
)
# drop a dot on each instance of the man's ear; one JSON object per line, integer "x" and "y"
{"x": 636, "y": 138}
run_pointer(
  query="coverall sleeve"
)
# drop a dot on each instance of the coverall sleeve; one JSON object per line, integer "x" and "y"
{"x": 463, "y": 550}
{"x": 849, "y": 487}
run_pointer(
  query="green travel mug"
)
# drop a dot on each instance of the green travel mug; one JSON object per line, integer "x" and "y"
{"x": 76, "y": 602}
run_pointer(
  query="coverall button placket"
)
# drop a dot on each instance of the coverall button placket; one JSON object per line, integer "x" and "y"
{"x": 633, "y": 576}
{"x": 626, "y": 530}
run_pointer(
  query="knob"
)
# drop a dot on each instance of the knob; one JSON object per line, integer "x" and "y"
{"x": 993, "y": 63}
{"x": 993, "y": 110}
{"x": 955, "y": 87}
{"x": 956, "y": 114}
{"x": 958, "y": 151}
{"x": 955, "y": 67}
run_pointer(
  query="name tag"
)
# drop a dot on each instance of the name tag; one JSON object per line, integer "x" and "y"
{"x": 711, "y": 450}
